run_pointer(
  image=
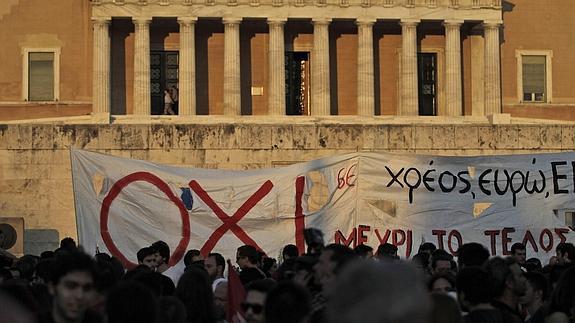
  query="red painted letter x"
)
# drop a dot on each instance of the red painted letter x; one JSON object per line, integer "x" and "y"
{"x": 230, "y": 222}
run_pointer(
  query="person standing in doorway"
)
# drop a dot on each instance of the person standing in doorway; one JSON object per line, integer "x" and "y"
{"x": 168, "y": 102}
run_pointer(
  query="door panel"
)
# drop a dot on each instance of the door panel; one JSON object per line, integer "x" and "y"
{"x": 427, "y": 79}
{"x": 164, "y": 70}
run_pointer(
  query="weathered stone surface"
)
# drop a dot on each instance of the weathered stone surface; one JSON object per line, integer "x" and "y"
{"x": 487, "y": 137}
{"x": 86, "y": 137}
{"x": 551, "y": 137}
{"x": 135, "y": 137}
{"x": 305, "y": 137}
{"x": 18, "y": 137}
{"x": 381, "y": 137}
{"x": 255, "y": 137}
{"x": 110, "y": 137}
{"x": 63, "y": 136}
{"x": 529, "y": 137}
{"x": 339, "y": 136}
{"x": 423, "y": 137}
{"x": 507, "y": 137}
{"x": 466, "y": 137}
{"x": 568, "y": 137}
{"x": 216, "y": 136}
{"x": 160, "y": 137}
{"x": 401, "y": 138}
{"x": 282, "y": 137}
{"x": 183, "y": 137}
{"x": 42, "y": 137}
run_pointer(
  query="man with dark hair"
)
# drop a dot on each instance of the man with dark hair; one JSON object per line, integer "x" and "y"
{"x": 442, "y": 263}
{"x": 162, "y": 253}
{"x": 474, "y": 295}
{"x": 72, "y": 288}
{"x": 508, "y": 285}
{"x": 363, "y": 251}
{"x": 427, "y": 247}
{"x": 215, "y": 265}
{"x": 68, "y": 244}
{"x": 565, "y": 252}
{"x": 387, "y": 251}
{"x": 247, "y": 258}
{"x": 289, "y": 251}
{"x": 519, "y": 253}
{"x": 193, "y": 257}
{"x": 471, "y": 254}
{"x": 288, "y": 302}
{"x": 256, "y": 294}
{"x": 536, "y": 295}
{"x": 147, "y": 257}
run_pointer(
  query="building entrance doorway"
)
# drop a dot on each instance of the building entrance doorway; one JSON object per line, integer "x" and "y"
{"x": 164, "y": 67}
{"x": 427, "y": 88}
{"x": 297, "y": 73}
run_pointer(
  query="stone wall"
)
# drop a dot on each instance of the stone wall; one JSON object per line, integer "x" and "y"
{"x": 35, "y": 172}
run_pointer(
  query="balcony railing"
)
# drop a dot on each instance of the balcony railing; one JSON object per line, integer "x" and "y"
{"x": 462, "y": 4}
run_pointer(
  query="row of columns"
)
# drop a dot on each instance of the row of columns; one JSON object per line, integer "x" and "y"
{"x": 320, "y": 76}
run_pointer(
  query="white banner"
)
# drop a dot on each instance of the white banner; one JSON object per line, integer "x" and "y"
{"x": 123, "y": 205}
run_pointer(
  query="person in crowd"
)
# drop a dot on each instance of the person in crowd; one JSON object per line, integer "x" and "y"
{"x": 387, "y": 252}
{"x": 286, "y": 269}
{"x": 535, "y": 296}
{"x": 442, "y": 282}
{"x": 471, "y": 254}
{"x": 561, "y": 307}
{"x": 421, "y": 262}
{"x": 509, "y": 284}
{"x": 533, "y": 264}
{"x": 221, "y": 300}
{"x": 378, "y": 292}
{"x": 288, "y": 302}
{"x": 331, "y": 261}
{"x": 256, "y": 294}
{"x": 162, "y": 253}
{"x": 269, "y": 266}
{"x": 289, "y": 251}
{"x": 72, "y": 289}
{"x": 444, "y": 309}
{"x": 565, "y": 253}
{"x": 303, "y": 272}
{"x": 442, "y": 262}
{"x": 193, "y": 257}
{"x": 130, "y": 302}
{"x": 427, "y": 247}
{"x": 519, "y": 253}
{"x": 475, "y": 297}
{"x": 363, "y": 251}
{"x": 195, "y": 292}
{"x": 147, "y": 257}
{"x": 215, "y": 265}
{"x": 247, "y": 258}
{"x": 68, "y": 244}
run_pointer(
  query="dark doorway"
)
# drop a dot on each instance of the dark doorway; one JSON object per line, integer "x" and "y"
{"x": 297, "y": 83}
{"x": 164, "y": 67}
{"x": 427, "y": 76}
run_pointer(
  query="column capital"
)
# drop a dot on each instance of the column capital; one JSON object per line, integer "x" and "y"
{"x": 187, "y": 20}
{"x": 320, "y": 21}
{"x": 492, "y": 23}
{"x": 452, "y": 23}
{"x": 277, "y": 20}
{"x": 365, "y": 21}
{"x": 231, "y": 20}
{"x": 409, "y": 22}
{"x": 142, "y": 20}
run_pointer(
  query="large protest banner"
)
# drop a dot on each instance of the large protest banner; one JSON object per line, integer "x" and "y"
{"x": 371, "y": 198}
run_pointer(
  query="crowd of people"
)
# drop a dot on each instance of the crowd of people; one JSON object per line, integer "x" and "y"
{"x": 333, "y": 283}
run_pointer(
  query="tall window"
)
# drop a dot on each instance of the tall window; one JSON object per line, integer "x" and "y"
{"x": 534, "y": 81}
{"x": 41, "y": 76}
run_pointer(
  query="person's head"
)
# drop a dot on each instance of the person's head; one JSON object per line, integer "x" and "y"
{"x": 332, "y": 259}
{"x": 256, "y": 294}
{"x": 289, "y": 251}
{"x": 192, "y": 256}
{"x": 565, "y": 252}
{"x": 471, "y": 254}
{"x": 519, "y": 253}
{"x": 215, "y": 265}
{"x": 363, "y": 251}
{"x": 269, "y": 266}
{"x": 195, "y": 292}
{"x": 68, "y": 244}
{"x": 247, "y": 256}
{"x": 537, "y": 289}
{"x": 221, "y": 299}
{"x": 421, "y": 261}
{"x": 473, "y": 287}
{"x": 441, "y": 263}
{"x": 71, "y": 285}
{"x": 146, "y": 256}
{"x": 533, "y": 264}
{"x": 427, "y": 247}
{"x": 130, "y": 302}
{"x": 387, "y": 251}
{"x": 162, "y": 252}
{"x": 506, "y": 276}
{"x": 443, "y": 282}
{"x": 287, "y": 303}
{"x": 378, "y": 292}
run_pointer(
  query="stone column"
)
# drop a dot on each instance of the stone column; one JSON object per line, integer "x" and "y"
{"x": 492, "y": 68}
{"x": 409, "y": 98}
{"x": 365, "y": 68}
{"x": 142, "y": 95}
{"x": 187, "y": 69}
{"x": 232, "y": 90}
{"x": 320, "y": 87}
{"x": 276, "y": 67}
{"x": 101, "y": 66}
{"x": 454, "y": 105}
